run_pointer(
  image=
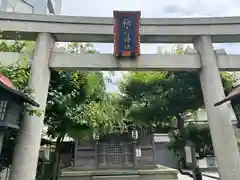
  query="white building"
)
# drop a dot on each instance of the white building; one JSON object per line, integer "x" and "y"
{"x": 201, "y": 119}
{"x": 31, "y": 6}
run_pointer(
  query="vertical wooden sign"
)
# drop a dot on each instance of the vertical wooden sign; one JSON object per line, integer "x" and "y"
{"x": 127, "y": 33}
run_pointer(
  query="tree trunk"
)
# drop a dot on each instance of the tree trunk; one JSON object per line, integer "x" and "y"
{"x": 56, "y": 162}
{"x": 183, "y": 172}
{"x": 180, "y": 125}
{"x": 198, "y": 174}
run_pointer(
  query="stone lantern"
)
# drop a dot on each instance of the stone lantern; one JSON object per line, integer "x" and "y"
{"x": 11, "y": 104}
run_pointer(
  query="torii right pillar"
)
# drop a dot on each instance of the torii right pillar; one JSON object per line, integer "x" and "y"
{"x": 223, "y": 137}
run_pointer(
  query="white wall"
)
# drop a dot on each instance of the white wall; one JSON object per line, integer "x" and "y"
{"x": 19, "y": 6}
{"x": 30, "y": 6}
{"x": 202, "y": 115}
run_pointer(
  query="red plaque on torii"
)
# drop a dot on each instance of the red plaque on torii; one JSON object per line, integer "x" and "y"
{"x": 126, "y": 33}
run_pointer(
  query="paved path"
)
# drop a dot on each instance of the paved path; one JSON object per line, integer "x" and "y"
{"x": 182, "y": 177}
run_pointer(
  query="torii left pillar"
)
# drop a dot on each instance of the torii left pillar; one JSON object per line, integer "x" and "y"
{"x": 26, "y": 152}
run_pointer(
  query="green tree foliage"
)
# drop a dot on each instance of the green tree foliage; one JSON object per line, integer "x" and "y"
{"x": 199, "y": 135}
{"x": 161, "y": 94}
{"x": 164, "y": 99}
{"x": 72, "y": 96}
{"x": 153, "y": 96}
{"x": 16, "y": 74}
{"x": 77, "y": 103}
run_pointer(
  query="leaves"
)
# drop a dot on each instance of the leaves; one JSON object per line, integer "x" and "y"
{"x": 77, "y": 101}
{"x": 199, "y": 135}
{"x": 157, "y": 98}
{"x": 19, "y": 77}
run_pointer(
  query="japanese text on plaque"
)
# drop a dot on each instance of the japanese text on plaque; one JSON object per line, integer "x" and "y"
{"x": 127, "y": 24}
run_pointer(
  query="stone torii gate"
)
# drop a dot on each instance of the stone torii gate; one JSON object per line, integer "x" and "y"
{"x": 202, "y": 32}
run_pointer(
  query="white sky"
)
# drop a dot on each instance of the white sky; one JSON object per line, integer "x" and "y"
{"x": 153, "y": 9}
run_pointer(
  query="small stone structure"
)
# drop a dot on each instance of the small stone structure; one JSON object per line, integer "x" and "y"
{"x": 158, "y": 173}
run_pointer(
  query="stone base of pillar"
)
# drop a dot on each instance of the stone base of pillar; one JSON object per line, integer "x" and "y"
{"x": 159, "y": 173}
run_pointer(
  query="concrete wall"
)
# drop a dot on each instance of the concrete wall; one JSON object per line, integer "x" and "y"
{"x": 201, "y": 115}
{"x": 164, "y": 156}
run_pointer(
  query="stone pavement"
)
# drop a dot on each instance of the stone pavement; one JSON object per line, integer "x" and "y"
{"x": 215, "y": 174}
